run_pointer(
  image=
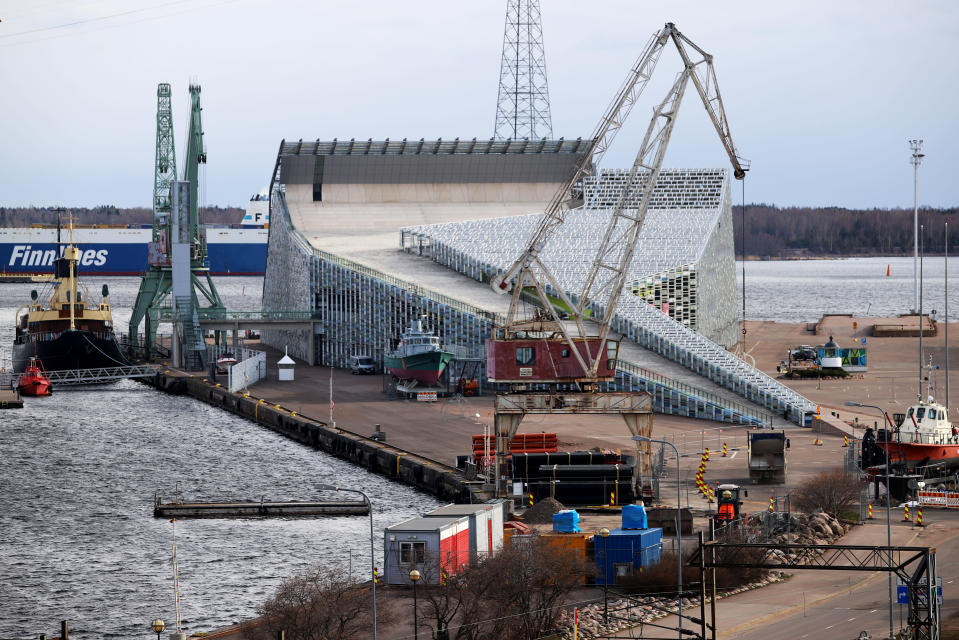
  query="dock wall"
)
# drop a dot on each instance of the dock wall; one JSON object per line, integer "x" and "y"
{"x": 431, "y": 476}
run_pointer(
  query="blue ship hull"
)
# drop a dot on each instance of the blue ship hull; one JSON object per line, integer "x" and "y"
{"x": 124, "y": 259}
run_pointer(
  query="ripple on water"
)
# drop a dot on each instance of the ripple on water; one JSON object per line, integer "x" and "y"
{"x": 79, "y": 474}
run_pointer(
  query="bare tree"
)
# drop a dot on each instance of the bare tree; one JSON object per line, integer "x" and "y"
{"x": 321, "y": 605}
{"x": 832, "y": 491}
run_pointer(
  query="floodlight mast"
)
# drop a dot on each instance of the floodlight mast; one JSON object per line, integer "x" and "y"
{"x": 607, "y": 275}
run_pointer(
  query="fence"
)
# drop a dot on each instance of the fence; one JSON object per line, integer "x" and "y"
{"x": 250, "y": 366}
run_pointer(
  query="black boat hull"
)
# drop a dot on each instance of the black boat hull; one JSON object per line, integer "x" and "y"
{"x": 69, "y": 350}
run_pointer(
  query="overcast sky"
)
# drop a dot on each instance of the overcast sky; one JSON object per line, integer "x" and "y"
{"x": 822, "y": 96}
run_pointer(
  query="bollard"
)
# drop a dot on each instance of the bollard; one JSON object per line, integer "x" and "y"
{"x": 772, "y": 502}
{"x": 724, "y": 449}
{"x": 845, "y": 440}
{"x": 531, "y": 499}
{"x": 906, "y": 514}
{"x": 870, "y": 511}
{"x": 706, "y": 454}
{"x": 919, "y": 517}
{"x": 612, "y": 498}
{"x": 712, "y": 496}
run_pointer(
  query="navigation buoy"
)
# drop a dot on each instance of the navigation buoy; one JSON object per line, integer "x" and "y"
{"x": 888, "y": 271}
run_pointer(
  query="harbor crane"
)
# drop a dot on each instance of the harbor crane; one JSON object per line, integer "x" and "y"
{"x": 567, "y": 339}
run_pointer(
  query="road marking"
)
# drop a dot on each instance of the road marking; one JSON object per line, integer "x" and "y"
{"x": 874, "y": 611}
{"x": 850, "y": 619}
{"x": 734, "y": 455}
{"x": 830, "y": 626}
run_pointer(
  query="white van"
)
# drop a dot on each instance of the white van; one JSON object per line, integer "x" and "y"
{"x": 361, "y": 365}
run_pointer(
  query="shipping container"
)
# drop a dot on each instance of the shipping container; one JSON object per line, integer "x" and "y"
{"x": 625, "y": 552}
{"x": 486, "y": 526}
{"x": 436, "y": 547}
{"x": 580, "y": 544}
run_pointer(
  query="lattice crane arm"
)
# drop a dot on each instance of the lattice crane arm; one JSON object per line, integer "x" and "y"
{"x": 610, "y": 267}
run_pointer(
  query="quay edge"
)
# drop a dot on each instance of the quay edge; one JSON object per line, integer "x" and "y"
{"x": 441, "y": 480}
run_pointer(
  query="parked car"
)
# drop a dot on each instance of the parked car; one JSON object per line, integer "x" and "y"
{"x": 803, "y": 352}
{"x": 362, "y": 365}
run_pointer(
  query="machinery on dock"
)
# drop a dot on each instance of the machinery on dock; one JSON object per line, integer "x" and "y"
{"x": 567, "y": 340}
{"x": 729, "y": 503}
{"x": 177, "y": 255}
{"x": 766, "y": 456}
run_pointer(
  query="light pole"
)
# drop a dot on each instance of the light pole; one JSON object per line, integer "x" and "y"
{"x": 917, "y": 156}
{"x": 885, "y": 421}
{"x": 414, "y": 578}
{"x": 679, "y": 533}
{"x": 333, "y": 487}
{"x": 604, "y": 533}
{"x": 158, "y": 626}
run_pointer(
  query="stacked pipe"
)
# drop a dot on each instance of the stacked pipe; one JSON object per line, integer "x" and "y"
{"x": 578, "y": 477}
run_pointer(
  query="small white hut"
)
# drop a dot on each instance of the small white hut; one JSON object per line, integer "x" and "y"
{"x": 285, "y": 365}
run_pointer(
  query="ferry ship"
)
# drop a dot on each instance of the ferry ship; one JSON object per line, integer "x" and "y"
{"x": 122, "y": 251}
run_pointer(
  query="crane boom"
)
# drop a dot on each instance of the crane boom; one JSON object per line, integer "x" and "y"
{"x": 595, "y": 356}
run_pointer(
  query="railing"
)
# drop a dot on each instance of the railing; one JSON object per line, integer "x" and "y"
{"x": 100, "y": 375}
{"x": 762, "y": 417}
{"x": 166, "y": 314}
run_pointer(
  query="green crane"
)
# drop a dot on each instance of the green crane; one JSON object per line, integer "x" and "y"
{"x": 155, "y": 287}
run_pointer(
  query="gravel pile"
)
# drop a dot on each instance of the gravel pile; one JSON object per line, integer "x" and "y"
{"x": 542, "y": 512}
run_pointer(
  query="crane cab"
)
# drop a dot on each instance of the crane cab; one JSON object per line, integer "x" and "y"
{"x": 729, "y": 507}
{"x": 527, "y": 360}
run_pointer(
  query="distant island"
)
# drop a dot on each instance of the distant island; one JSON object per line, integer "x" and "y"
{"x": 774, "y": 233}
{"x": 106, "y": 215}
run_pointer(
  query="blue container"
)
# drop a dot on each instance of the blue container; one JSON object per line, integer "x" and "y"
{"x": 624, "y": 552}
{"x": 634, "y": 516}
{"x": 566, "y": 521}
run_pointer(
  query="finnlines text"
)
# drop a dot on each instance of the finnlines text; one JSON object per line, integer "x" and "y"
{"x": 25, "y": 255}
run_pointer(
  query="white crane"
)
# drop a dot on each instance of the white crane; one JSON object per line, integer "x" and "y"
{"x": 547, "y": 348}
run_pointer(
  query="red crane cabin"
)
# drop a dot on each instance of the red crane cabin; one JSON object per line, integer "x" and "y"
{"x": 533, "y": 360}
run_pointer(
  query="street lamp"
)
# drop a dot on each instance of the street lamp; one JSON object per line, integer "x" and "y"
{"x": 679, "y": 533}
{"x": 885, "y": 421}
{"x": 158, "y": 626}
{"x": 604, "y": 533}
{"x": 415, "y": 577}
{"x": 333, "y": 487}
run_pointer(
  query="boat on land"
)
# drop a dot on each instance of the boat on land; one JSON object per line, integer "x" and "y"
{"x": 65, "y": 331}
{"x": 924, "y": 443}
{"x": 418, "y": 356}
{"x": 34, "y": 380}
{"x": 224, "y": 362}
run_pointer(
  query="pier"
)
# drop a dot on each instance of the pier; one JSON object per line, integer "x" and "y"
{"x": 10, "y": 399}
{"x": 263, "y": 508}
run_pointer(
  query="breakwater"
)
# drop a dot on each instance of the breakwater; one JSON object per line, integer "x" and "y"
{"x": 431, "y": 476}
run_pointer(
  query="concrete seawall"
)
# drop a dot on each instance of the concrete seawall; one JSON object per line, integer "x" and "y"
{"x": 431, "y": 476}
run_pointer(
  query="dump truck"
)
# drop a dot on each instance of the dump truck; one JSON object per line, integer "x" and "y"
{"x": 767, "y": 456}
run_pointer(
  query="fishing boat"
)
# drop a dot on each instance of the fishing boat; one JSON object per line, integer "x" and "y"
{"x": 418, "y": 356}
{"x": 65, "y": 331}
{"x": 34, "y": 381}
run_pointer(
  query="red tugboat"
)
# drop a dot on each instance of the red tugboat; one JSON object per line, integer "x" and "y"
{"x": 34, "y": 380}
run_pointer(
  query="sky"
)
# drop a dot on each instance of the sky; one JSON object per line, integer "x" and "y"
{"x": 821, "y": 96}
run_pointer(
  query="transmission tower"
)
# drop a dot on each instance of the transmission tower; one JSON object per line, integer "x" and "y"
{"x": 165, "y": 167}
{"x": 522, "y": 108}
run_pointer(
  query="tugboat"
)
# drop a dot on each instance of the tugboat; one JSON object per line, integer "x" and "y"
{"x": 418, "y": 356}
{"x": 34, "y": 381}
{"x": 68, "y": 333}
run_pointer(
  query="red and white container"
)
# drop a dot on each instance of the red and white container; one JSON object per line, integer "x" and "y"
{"x": 437, "y": 547}
{"x": 486, "y": 526}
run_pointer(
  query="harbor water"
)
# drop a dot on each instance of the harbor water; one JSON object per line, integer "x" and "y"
{"x": 804, "y": 290}
{"x": 79, "y": 474}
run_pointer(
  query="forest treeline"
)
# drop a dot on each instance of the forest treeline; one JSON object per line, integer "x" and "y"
{"x": 796, "y": 232}
{"x": 106, "y": 215}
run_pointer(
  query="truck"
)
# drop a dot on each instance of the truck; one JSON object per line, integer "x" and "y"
{"x": 767, "y": 456}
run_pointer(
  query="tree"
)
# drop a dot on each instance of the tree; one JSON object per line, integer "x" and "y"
{"x": 832, "y": 491}
{"x": 321, "y": 605}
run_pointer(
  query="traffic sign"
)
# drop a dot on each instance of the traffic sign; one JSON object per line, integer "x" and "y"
{"x": 902, "y": 591}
